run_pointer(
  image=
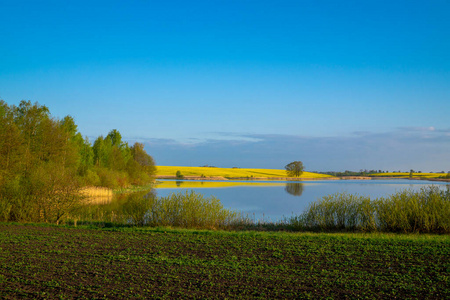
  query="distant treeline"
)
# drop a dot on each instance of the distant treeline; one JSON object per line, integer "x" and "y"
{"x": 353, "y": 173}
{"x": 44, "y": 161}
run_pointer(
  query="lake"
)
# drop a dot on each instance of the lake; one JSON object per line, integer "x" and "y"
{"x": 271, "y": 201}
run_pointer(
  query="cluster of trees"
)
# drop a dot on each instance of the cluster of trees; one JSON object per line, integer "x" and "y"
{"x": 45, "y": 161}
{"x": 116, "y": 164}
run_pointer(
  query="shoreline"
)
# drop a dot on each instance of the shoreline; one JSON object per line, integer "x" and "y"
{"x": 413, "y": 178}
{"x": 221, "y": 178}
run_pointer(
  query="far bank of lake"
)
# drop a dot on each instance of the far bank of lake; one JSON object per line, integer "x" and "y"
{"x": 221, "y": 178}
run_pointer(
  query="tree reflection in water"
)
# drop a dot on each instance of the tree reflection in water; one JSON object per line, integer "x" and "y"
{"x": 294, "y": 188}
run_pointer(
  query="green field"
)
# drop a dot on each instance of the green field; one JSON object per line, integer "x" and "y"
{"x": 230, "y": 172}
{"x": 51, "y": 262}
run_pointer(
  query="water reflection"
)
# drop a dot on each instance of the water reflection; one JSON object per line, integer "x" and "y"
{"x": 189, "y": 184}
{"x": 294, "y": 188}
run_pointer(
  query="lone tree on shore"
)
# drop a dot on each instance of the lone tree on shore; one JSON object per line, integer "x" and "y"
{"x": 294, "y": 169}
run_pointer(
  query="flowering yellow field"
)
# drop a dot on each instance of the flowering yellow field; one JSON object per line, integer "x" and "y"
{"x": 406, "y": 175}
{"x": 230, "y": 172}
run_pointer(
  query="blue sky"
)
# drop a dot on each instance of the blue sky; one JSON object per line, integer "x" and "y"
{"x": 337, "y": 84}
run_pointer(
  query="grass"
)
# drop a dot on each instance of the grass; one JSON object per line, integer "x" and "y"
{"x": 50, "y": 262}
{"x": 231, "y": 172}
{"x": 427, "y": 210}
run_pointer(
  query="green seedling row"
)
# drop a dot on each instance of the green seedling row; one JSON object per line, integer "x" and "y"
{"x": 62, "y": 262}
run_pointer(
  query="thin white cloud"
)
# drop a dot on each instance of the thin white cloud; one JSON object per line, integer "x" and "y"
{"x": 419, "y": 129}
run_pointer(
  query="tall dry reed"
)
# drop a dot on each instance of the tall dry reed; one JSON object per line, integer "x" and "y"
{"x": 94, "y": 191}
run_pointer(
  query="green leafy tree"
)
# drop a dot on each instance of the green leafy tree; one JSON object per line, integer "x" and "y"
{"x": 116, "y": 141}
{"x": 101, "y": 149}
{"x": 142, "y": 158}
{"x": 115, "y": 137}
{"x": 38, "y": 163}
{"x": 141, "y": 168}
{"x": 85, "y": 153}
{"x": 294, "y": 169}
{"x": 30, "y": 119}
{"x": 11, "y": 141}
{"x": 117, "y": 161}
{"x": 87, "y": 157}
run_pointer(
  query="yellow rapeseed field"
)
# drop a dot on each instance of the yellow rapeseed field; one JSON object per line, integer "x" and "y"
{"x": 406, "y": 175}
{"x": 230, "y": 172}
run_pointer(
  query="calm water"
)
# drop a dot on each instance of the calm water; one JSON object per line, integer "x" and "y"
{"x": 272, "y": 201}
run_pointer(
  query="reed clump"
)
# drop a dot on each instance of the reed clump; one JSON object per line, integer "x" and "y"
{"x": 424, "y": 211}
{"x": 95, "y": 191}
{"x": 191, "y": 210}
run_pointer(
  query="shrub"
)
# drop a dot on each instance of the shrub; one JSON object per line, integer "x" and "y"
{"x": 112, "y": 179}
{"x": 427, "y": 211}
{"x": 91, "y": 178}
{"x": 339, "y": 211}
{"x": 191, "y": 210}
